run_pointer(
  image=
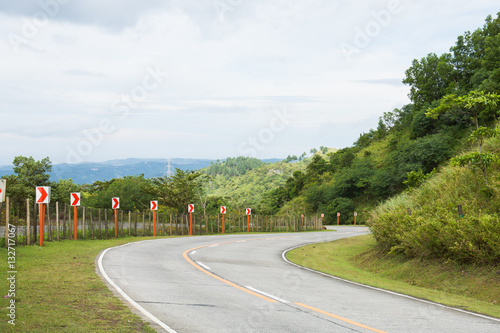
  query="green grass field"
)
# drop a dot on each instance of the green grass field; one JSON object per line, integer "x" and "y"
{"x": 57, "y": 290}
{"x": 473, "y": 288}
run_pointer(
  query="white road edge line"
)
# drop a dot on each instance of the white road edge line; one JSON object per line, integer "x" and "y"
{"x": 193, "y": 252}
{"x": 283, "y": 255}
{"x": 214, "y": 245}
{"x": 203, "y": 265}
{"x": 130, "y": 300}
{"x": 266, "y": 294}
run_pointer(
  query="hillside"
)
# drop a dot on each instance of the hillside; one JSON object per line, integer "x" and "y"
{"x": 452, "y": 214}
{"x": 248, "y": 188}
{"x": 246, "y": 181}
{"x": 454, "y": 105}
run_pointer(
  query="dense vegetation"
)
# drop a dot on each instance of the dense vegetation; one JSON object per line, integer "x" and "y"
{"x": 454, "y": 97}
{"x": 450, "y": 123}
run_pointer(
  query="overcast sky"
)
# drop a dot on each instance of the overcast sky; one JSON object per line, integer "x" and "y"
{"x": 97, "y": 80}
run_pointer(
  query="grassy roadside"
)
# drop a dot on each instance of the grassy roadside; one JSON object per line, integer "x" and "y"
{"x": 58, "y": 290}
{"x": 357, "y": 259}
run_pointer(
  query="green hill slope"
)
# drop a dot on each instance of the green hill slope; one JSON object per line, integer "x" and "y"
{"x": 244, "y": 182}
{"x": 435, "y": 228}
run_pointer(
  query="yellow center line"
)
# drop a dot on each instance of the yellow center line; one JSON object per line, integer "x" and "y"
{"x": 185, "y": 255}
{"x": 339, "y": 318}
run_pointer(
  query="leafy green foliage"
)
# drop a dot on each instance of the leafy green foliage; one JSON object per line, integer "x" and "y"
{"x": 178, "y": 191}
{"x": 435, "y": 228}
{"x": 233, "y": 166}
{"x": 134, "y": 193}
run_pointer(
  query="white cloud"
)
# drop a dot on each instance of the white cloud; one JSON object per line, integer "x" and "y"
{"x": 230, "y": 64}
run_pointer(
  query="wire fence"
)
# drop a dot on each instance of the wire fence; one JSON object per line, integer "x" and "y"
{"x": 98, "y": 223}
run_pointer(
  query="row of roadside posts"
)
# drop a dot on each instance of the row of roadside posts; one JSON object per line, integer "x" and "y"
{"x": 43, "y": 198}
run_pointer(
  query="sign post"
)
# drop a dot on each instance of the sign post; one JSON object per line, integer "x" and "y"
{"x": 154, "y": 207}
{"x": 115, "y": 204}
{"x": 355, "y": 214}
{"x": 338, "y": 218}
{"x": 249, "y": 212}
{"x": 42, "y": 198}
{"x": 223, "y": 212}
{"x": 191, "y": 211}
{"x": 75, "y": 202}
{"x": 3, "y": 188}
{"x": 322, "y": 215}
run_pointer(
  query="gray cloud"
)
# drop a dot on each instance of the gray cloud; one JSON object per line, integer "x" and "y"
{"x": 110, "y": 14}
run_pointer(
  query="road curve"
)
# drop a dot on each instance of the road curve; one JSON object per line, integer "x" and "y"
{"x": 240, "y": 283}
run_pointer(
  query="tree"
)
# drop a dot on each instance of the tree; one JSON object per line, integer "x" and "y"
{"x": 32, "y": 173}
{"x": 134, "y": 192}
{"x": 177, "y": 191}
{"x": 475, "y": 107}
{"x": 62, "y": 189}
{"x": 478, "y": 106}
{"x": 430, "y": 78}
{"x": 204, "y": 186}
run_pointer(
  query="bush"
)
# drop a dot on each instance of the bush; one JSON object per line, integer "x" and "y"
{"x": 434, "y": 228}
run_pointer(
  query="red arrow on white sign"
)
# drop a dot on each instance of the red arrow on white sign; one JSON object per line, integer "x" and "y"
{"x": 75, "y": 199}
{"x": 154, "y": 205}
{"x": 249, "y": 211}
{"x": 115, "y": 203}
{"x": 223, "y": 209}
{"x": 191, "y": 208}
{"x": 3, "y": 183}
{"x": 43, "y": 194}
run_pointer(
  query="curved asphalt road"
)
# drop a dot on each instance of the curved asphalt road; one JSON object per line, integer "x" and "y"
{"x": 241, "y": 283}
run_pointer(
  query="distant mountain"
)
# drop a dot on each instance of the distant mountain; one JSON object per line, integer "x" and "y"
{"x": 89, "y": 172}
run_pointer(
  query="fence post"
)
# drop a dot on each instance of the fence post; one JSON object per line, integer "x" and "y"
{"x": 135, "y": 224}
{"x": 129, "y": 221}
{"x": 28, "y": 227}
{"x": 7, "y": 220}
{"x": 99, "y": 221}
{"x": 50, "y": 223}
{"x": 57, "y": 220}
{"x": 91, "y": 223}
{"x": 106, "y": 222}
{"x": 149, "y": 221}
{"x": 170, "y": 224}
{"x": 64, "y": 222}
{"x": 143, "y": 224}
{"x": 70, "y": 229}
{"x": 83, "y": 222}
{"x": 35, "y": 220}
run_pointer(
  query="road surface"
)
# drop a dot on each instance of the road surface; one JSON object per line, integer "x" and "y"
{"x": 241, "y": 283}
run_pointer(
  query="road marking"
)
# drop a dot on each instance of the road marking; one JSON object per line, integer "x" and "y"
{"x": 241, "y": 241}
{"x": 283, "y": 255}
{"x": 127, "y": 297}
{"x": 193, "y": 252}
{"x": 185, "y": 255}
{"x": 203, "y": 265}
{"x": 268, "y": 295}
{"x": 261, "y": 294}
{"x": 339, "y": 318}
